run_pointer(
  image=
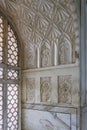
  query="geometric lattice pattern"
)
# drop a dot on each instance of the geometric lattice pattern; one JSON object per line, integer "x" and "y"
{"x": 12, "y": 48}
{"x": 12, "y": 104}
{"x": 1, "y": 39}
{"x": 1, "y": 107}
{"x": 9, "y": 110}
{"x": 12, "y": 74}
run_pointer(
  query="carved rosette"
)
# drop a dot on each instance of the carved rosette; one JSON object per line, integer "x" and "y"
{"x": 45, "y": 89}
{"x": 65, "y": 89}
{"x": 30, "y": 90}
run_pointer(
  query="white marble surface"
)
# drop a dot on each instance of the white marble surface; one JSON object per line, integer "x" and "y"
{"x": 43, "y": 120}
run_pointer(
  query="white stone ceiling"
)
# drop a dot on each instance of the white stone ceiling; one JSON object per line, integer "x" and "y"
{"x": 44, "y": 21}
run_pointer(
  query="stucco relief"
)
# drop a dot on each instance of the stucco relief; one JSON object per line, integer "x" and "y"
{"x": 30, "y": 90}
{"x": 45, "y": 89}
{"x": 65, "y": 89}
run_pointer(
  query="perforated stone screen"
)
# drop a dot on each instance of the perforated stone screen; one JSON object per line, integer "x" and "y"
{"x": 1, "y": 38}
{"x": 9, "y": 77}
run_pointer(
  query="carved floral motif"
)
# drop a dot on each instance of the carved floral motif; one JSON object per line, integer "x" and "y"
{"x": 30, "y": 90}
{"x": 45, "y": 89}
{"x": 65, "y": 89}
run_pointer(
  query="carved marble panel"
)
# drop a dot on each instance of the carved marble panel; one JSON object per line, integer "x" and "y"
{"x": 31, "y": 56}
{"x": 30, "y": 90}
{"x": 65, "y": 52}
{"x": 65, "y": 89}
{"x": 45, "y": 89}
{"x": 45, "y": 55}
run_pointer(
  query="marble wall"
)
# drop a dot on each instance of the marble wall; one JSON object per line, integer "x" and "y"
{"x": 55, "y": 85}
{"x": 49, "y": 97}
{"x": 49, "y": 31}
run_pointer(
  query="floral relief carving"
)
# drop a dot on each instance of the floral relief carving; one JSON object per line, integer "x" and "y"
{"x": 45, "y": 89}
{"x": 30, "y": 90}
{"x": 65, "y": 89}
